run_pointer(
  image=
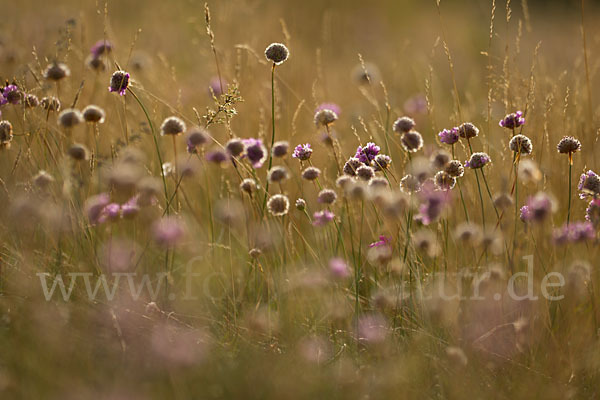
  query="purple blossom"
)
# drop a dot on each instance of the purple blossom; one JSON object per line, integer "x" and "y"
{"x": 449, "y": 136}
{"x": 302, "y": 152}
{"x": 574, "y": 233}
{"x": 589, "y": 184}
{"x": 512, "y": 121}
{"x": 433, "y": 203}
{"x": 167, "y": 231}
{"x": 10, "y": 94}
{"x": 592, "y": 212}
{"x": 525, "y": 214}
{"x": 214, "y": 85}
{"x": 100, "y": 47}
{"x": 110, "y": 212}
{"x": 329, "y": 106}
{"x": 94, "y": 207}
{"x": 367, "y": 153}
{"x": 338, "y": 268}
{"x": 216, "y": 156}
{"x": 478, "y": 160}
{"x": 130, "y": 208}
{"x": 537, "y": 208}
{"x": 383, "y": 241}
{"x": 256, "y": 152}
{"x": 372, "y": 328}
{"x": 321, "y": 218}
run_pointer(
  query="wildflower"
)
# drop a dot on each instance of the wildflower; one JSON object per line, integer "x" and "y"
{"x": 537, "y": 208}
{"x": 411, "y": 141}
{"x": 589, "y": 185}
{"x": 409, "y": 184}
{"x": 248, "y": 185}
{"x": 440, "y": 158}
{"x": 378, "y": 183}
{"x": 94, "y": 206}
{"x": 70, "y": 117}
{"x": 356, "y": 190}
{"x": 520, "y": 144}
{"x": 327, "y": 196}
{"x": 277, "y": 174}
{"x": 468, "y": 233}
{"x": 325, "y": 117}
{"x": 524, "y": 214}
{"x": 456, "y": 356}
{"x": 467, "y": 130}
{"x": 311, "y": 173}
{"x": 277, "y": 53}
{"x": 434, "y": 202}
{"x": 574, "y": 233}
{"x": 455, "y": 169}
{"x": 95, "y": 63}
{"x": 592, "y": 212}
{"x": 50, "y": 103}
{"x": 167, "y": 231}
{"x": 444, "y": 181}
{"x": 367, "y": 153}
{"x": 235, "y": 147}
{"x": 11, "y": 94}
{"x": 43, "y": 179}
{"x": 215, "y": 86}
{"x": 343, "y": 181}
{"x": 130, "y": 208}
{"x": 172, "y": 126}
{"x": 404, "y": 125}
{"x": 278, "y": 205}
{"x": 351, "y": 166}
{"x": 425, "y": 241}
{"x": 119, "y": 81}
{"x": 365, "y": 173}
{"x": 168, "y": 169}
{"x": 381, "y": 162}
{"x": 195, "y": 137}
{"x": 254, "y": 253}
{"x": 529, "y": 172}
{"x": 216, "y": 156}
{"x": 478, "y": 160}
{"x": 568, "y": 145}
{"x": 329, "y": 106}
{"x": 372, "y": 329}
{"x": 300, "y": 204}
{"x": 256, "y": 152}
{"x": 110, "y": 212}
{"x": 31, "y": 101}
{"x": 338, "y": 268}
{"x": 280, "y": 149}
{"x": 78, "y": 152}
{"x": 56, "y": 71}
{"x": 93, "y": 114}
{"x": 6, "y": 132}
{"x": 100, "y": 47}
{"x": 321, "y": 218}
{"x": 513, "y": 120}
{"x": 449, "y": 136}
{"x": 383, "y": 241}
{"x": 302, "y": 152}
{"x": 503, "y": 201}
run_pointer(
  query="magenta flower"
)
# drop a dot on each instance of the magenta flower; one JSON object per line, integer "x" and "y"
{"x": 329, "y": 106}
{"x": 537, "y": 208}
{"x": 433, "y": 203}
{"x": 449, "y": 136}
{"x": 100, "y": 47}
{"x": 525, "y": 214}
{"x": 338, "y": 268}
{"x": 512, "y": 121}
{"x": 383, "y": 241}
{"x": 94, "y": 207}
{"x": 322, "y": 218}
{"x": 130, "y": 208}
{"x": 478, "y": 160}
{"x": 302, "y": 152}
{"x": 256, "y": 152}
{"x": 10, "y": 94}
{"x": 167, "y": 231}
{"x": 215, "y": 85}
{"x": 574, "y": 233}
{"x": 367, "y": 153}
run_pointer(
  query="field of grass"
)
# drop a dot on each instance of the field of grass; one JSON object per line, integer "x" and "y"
{"x": 285, "y": 199}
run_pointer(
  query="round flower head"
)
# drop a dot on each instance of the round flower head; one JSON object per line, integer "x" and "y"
{"x": 449, "y": 136}
{"x": 31, "y": 101}
{"x": 278, "y": 205}
{"x": 478, "y": 160}
{"x": 351, "y": 166}
{"x": 78, "y": 152}
{"x": 513, "y": 120}
{"x": 256, "y": 152}
{"x": 100, "y": 47}
{"x": 119, "y": 81}
{"x": 365, "y": 173}
{"x": 277, "y": 174}
{"x": 168, "y": 231}
{"x": 343, "y": 181}
{"x": 589, "y": 185}
{"x": 280, "y": 149}
{"x": 381, "y": 162}
{"x": 325, "y": 117}
{"x": 468, "y": 233}
{"x": 411, "y": 141}
{"x": 300, "y": 204}
{"x": 454, "y": 168}
{"x": 404, "y": 124}
{"x": 311, "y": 173}
{"x": 235, "y": 147}
{"x": 11, "y": 94}
{"x": 410, "y": 184}
{"x": 6, "y": 132}
{"x": 367, "y": 153}
{"x": 277, "y": 53}
{"x": 538, "y": 207}
{"x": 378, "y": 183}
{"x": 444, "y": 181}
{"x": 216, "y": 156}
{"x": 592, "y": 212}
{"x": 172, "y": 126}
{"x": 93, "y": 114}
{"x": 248, "y": 185}
{"x": 302, "y": 152}
{"x": 43, "y": 179}
{"x": 568, "y": 145}
{"x": 520, "y": 144}
{"x": 338, "y": 268}
{"x": 56, "y": 71}
{"x": 574, "y": 233}
{"x": 321, "y": 218}
{"x": 216, "y": 86}
{"x": 329, "y": 106}
{"x": 95, "y": 63}
{"x": 70, "y": 117}
{"x": 327, "y": 196}
{"x": 467, "y": 130}
{"x": 51, "y": 104}
{"x": 440, "y": 159}
{"x": 196, "y": 137}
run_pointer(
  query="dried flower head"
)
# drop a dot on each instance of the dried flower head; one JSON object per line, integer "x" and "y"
{"x": 468, "y": 233}
{"x": 592, "y": 212}
{"x": 425, "y": 241}
{"x": 503, "y": 201}
{"x": 478, "y": 160}
{"x": 31, "y": 101}
{"x": 248, "y": 185}
{"x": 93, "y": 114}
{"x": 589, "y": 185}
{"x": 256, "y": 152}
{"x": 277, "y": 174}
{"x": 235, "y": 147}
{"x": 403, "y": 125}
{"x": 56, "y": 71}
{"x": 343, "y": 180}
{"x": 51, "y": 104}
{"x": 78, "y": 152}
{"x": 513, "y": 120}
{"x": 119, "y": 81}
{"x": 216, "y": 156}
{"x": 520, "y": 144}
{"x": 529, "y": 172}
{"x": 327, "y": 196}
{"x": 351, "y": 166}
{"x": 280, "y": 149}
{"x": 381, "y": 162}
{"x": 410, "y": 184}
{"x": 302, "y": 152}
{"x": 100, "y": 47}
{"x": 411, "y": 141}
{"x": 378, "y": 183}
{"x": 172, "y": 126}
{"x": 43, "y": 179}
{"x": 325, "y": 117}
{"x": 365, "y": 172}
{"x": 300, "y": 204}
{"x": 440, "y": 158}
{"x": 444, "y": 181}
{"x": 568, "y": 145}
{"x": 6, "y": 132}
{"x": 467, "y": 130}
{"x": 196, "y": 137}
{"x": 278, "y": 205}
{"x": 277, "y": 53}
{"x": 70, "y": 117}
{"x": 311, "y": 173}
{"x": 455, "y": 168}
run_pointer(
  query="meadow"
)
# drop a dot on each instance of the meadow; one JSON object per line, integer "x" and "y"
{"x": 317, "y": 199}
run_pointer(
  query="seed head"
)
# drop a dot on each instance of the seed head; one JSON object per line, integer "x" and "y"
{"x": 311, "y": 173}
{"x": 235, "y": 147}
{"x": 351, "y": 166}
{"x": 196, "y": 137}
{"x": 411, "y": 141}
{"x": 256, "y": 152}
{"x": 277, "y": 174}
{"x": 248, "y": 185}
{"x": 51, "y": 104}
{"x": 119, "y": 81}
{"x": 327, "y": 196}
{"x": 381, "y": 162}
{"x": 568, "y": 145}
{"x": 503, "y": 201}
{"x": 300, "y": 204}
{"x": 325, "y": 117}
{"x": 529, "y": 171}
{"x": 278, "y": 205}
{"x": 589, "y": 185}
{"x": 520, "y": 144}
{"x": 93, "y": 114}
{"x": 217, "y": 156}
{"x": 468, "y": 130}
{"x": 277, "y": 53}
{"x": 70, "y": 117}
{"x": 455, "y": 168}
{"x": 378, "y": 183}
{"x": 365, "y": 173}
{"x": 343, "y": 180}
{"x": 78, "y": 152}
{"x": 42, "y": 179}
{"x": 468, "y": 233}
{"x": 444, "y": 181}
{"x": 172, "y": 126}
{"x": 56, "y": 71}
{"x": 6, "y": 132}
{"x": 478, "y": 160}
{"x": 404, "y": 124}
{"x": 100, "y": 47}
{"x": 31, "y": 101}
{"x": 280, "y": 149}
{"x": 440, "y": 159}
{"x": 410, "y": 184}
